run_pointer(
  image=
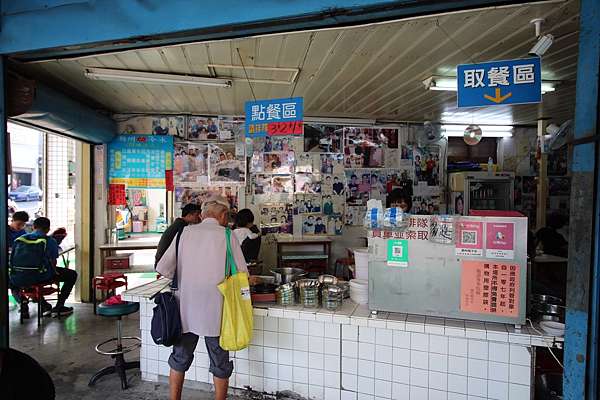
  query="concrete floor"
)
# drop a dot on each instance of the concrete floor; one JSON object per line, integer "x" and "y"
{"x": 66, "y": 349}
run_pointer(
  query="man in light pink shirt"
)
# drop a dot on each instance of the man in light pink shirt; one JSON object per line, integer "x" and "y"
{"x": 201, "y": 267}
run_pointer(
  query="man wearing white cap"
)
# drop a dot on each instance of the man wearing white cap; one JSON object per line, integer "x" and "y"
{"x": 201, "y": 267}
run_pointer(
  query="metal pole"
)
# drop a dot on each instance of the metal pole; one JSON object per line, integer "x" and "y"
{"x": 580, "y": 356}
{"x": 3, "y": 215}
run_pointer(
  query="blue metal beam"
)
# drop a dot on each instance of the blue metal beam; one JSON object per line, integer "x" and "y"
{"x": 3, "y": 215}
{"x": 581, "y": 351}
{"x": 59, "y": 28}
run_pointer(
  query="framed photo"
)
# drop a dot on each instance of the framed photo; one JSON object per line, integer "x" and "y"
{"x": 225, "y": 166}
{"x": 279, "y": 163}
{"x": 203, "y": 128}
{"x": 190, "y": 163}
{"x": 308, "y": 183}
{"x": 323, "y": 138}
{"x": 307, "y": 204}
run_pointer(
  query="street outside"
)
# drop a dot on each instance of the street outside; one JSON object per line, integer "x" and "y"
{"x": 31, "y": 207}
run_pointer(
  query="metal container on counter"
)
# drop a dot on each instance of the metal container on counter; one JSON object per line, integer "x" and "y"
{"x": 286, "y": 294}
{"x": 309, "y": 292}
{"x": 332, "y": 296}
{"x": 287, "y": 275}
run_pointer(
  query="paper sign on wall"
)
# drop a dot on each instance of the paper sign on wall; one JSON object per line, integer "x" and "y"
{"x": 397, "y": 253}
{"x": 500, "y": 240}
{"x": 117, "y": 194}
{"x": 490, "y": 288}
{"x": 469, "y": 238}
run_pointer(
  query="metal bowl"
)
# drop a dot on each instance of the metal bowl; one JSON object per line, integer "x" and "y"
{"x": 287, "y": 275}
{"x": 546, "y": 299}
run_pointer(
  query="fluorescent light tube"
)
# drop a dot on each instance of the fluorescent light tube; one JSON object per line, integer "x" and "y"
{"x": 153, "y": 78}
{"x": 448, "y": 83}
{"x": 498, "y": 131}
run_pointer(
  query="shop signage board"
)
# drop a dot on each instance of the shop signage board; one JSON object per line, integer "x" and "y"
{"x": 490, "y": 288}
{"x": 275, "y": 117}
{"x": 500, "y": 240}
{"x": 499, "y": 83}
{"x": 469, "y": 238}
{"x": 140, "y": 161}
{"x": 397, "y": 253}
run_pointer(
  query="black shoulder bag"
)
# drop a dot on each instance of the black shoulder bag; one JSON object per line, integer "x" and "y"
{"x": 166, "y": 320}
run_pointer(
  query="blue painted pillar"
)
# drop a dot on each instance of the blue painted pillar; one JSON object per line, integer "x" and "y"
{"x": 3, "y": 213}
{"x": 581, "y": 347}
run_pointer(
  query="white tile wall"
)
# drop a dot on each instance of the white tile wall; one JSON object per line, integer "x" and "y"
{"x": 409, "y": 359}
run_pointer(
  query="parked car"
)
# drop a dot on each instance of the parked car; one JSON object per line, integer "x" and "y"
{"x": 26, "y": 193}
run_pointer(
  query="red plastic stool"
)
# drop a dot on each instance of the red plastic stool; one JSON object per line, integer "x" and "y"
{"x": 107, "y": 283}
{"x": 37, "y": 293}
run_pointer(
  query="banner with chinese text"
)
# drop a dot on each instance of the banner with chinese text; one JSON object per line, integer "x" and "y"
{"x": 140, "y": 161}
{"x": 275, "y": 117}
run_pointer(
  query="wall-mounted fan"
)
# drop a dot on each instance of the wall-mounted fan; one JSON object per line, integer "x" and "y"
{"x": 558, "y": 136}
{"x": 431, "y": 133}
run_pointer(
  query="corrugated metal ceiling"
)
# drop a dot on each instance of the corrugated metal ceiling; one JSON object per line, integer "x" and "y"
{"x": 372, "y": 71}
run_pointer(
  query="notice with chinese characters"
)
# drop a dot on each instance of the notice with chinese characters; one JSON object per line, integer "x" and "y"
{"x": 275, "y": 117}
{"x": 397, "y": 253}
{"x": 140, "y": 161}
{"x": 500, "y": 240}
{"x": 499, "y": 82}
{"x": 490, "y": 288}
{"x": 469, "y": 238}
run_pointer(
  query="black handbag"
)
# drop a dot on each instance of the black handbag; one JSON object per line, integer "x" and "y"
{"x": 166, "y": 320}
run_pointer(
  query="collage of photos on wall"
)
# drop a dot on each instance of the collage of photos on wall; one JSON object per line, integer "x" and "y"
{"x": 328, "y": 175}
{"x": 338, "y": 169}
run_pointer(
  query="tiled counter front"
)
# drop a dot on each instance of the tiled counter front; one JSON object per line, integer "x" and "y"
{"x": 348, "y": 356}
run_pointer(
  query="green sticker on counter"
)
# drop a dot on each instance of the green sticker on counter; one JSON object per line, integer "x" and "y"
{"x": 397, "y": 253}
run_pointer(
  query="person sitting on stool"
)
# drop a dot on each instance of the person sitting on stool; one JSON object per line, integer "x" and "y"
{"x": 67, "y": 276}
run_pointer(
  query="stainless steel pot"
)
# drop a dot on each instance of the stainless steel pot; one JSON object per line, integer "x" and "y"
{"x": 287, "y": 275}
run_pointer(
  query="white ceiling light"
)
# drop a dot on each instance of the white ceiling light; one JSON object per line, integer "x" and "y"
{"x": 448, "y": 83}
{"x": 153, "y": 78}
{"x": 497, "y": 131}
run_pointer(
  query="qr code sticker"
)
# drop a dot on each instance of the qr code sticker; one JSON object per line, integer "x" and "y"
{"x": 469, "y": 237}
{"x": 397, "y": 251}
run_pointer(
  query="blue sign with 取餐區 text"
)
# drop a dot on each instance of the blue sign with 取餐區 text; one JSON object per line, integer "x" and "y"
{"x": 274, "y": 117}
{"x": 499, "y": 82}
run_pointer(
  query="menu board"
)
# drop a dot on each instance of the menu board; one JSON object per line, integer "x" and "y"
{"x": 469, "y": 238}
{"x": 490, "y": 288}
{"x": 140, "y": 161}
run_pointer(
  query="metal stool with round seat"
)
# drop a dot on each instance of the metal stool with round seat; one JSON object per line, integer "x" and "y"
{"x": 117, "y": 311}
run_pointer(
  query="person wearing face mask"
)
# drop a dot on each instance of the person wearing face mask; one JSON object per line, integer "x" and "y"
{"x": 200, "y": 268}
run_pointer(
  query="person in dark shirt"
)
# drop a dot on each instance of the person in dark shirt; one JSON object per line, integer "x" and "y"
{"x": 338, "y": 187}
{"x": 13, "y": 231}
{"x": 190, "y": 214}
{"x": 320, "y": 227}
{"x": 551, "y": 240}
{"x": 16, "y": 227}
{"x": 248, "y": 235}
{"x": 66, "y": 276}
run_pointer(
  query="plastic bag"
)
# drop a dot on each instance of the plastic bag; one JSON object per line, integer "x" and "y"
{"x": 395, "y": 218}
{"x": 237, "y": 320}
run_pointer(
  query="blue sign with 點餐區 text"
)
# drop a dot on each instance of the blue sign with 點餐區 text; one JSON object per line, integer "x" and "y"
{"x": 274, "y": 117}
{"x": 499, "y": 82}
